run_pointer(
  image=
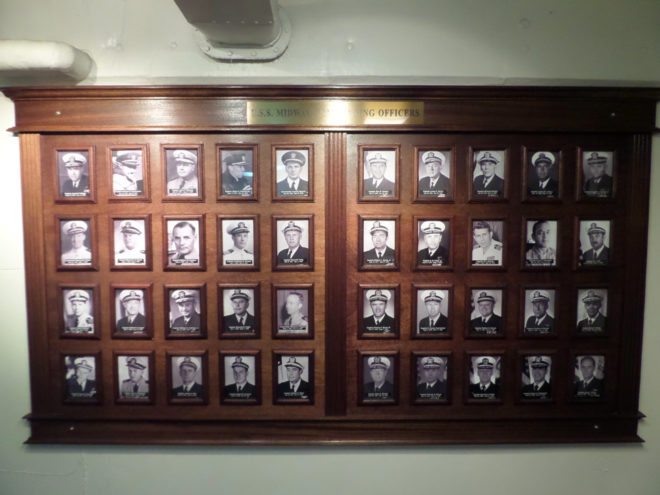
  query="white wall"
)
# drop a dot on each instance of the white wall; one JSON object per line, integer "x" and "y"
{"x": 371, "y": 42}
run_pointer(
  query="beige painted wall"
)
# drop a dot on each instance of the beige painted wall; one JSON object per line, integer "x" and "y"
{"x": 368, "y": 42}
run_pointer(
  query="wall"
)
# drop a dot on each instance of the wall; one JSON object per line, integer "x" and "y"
{"x": 367, "y": 42}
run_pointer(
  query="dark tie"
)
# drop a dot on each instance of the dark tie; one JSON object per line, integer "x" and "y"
{"x": 380, "y": 256}
{"x": 289, "y": 254}
{"x": 540, "y": 185}
{"x": 485, "y": 181}
{"x": 77, "y": 321}
{"x": 295, "y": 186}
{"x": 135, "y": 388}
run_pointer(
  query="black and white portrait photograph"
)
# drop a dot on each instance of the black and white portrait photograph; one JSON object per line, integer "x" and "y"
{"x": 594, "y": 243}
{"x": 589, "y": 377}
{"x": 487, "y": 243}
{"x": 486, "y": 307}
{"x": 485, "y": 378}
{"x": 432, "y": 310}
{"x": 130, "y": 310}
{"x": 294, "y": 311}
{"x": 240, "y": 378}
{"x": 379, "y": 313}
{"x": 430, "y": 378}
{"x": 592, "y": 318}
{"x": 237, "y": 174}
{"x": 541, "y": 243}
{"x": 292, "y": 173}
{"x": 539, "y": 312}
{"x": 379, "y": 174}
{"x": 434, "y": 174}
{"x": 185, "y": 312}
{"x": 186, "y": 374}
{"x": 542, "y": 175}
{"x": 184, "y": 243}
{"x": 293, "y": 243}
{"x": 240, "y": 313}
{"x": 536, "y": 379}
{"x": 378, "y": 243}
{"x": 238, "y": 243}
{"x": 378, "y": 374}
{"x": 82, "y": 378}
{"x": 130, "y": 242}
{"x": 598, "y": 174}
{"x": 128, "y": 173}
{"x": 293, "y": 374}
{"x": 433, "y": 243}
{"x": 73, "y": 173}
{"x": 78, "y": 311}
{"x": 488, "y": 174}
{"x": 134, "y": 375}
{"x": 183, "y": 175}
{"x": 76, "y": 243}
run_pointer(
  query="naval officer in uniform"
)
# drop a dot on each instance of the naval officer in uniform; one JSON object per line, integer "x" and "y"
{"x": 377, "y": 185}
{"x": 487, "y": 184}
{"x": 190, "y": 388}
{"x": 431, "y": 383}
{"x": 294, "y": 254}
{"x": 294, "y": 387}
{"x": 238, "y": 255}
{"x": 589, "y": 387}
{"x": 234, "y": 181}
{"x": 381, "y": 254}
{"x": 540, "y": 322}
{"x": 133, "y": 321}
{"x": 599, "y": 185}
{"x": 240, "y": 321}
{"x": 435, "y": 322}
{"x": 80, "y": 320}
{"x": 293, "y": 184}
{"x": 379, "y": 388}
{"x": 77, "y": 184}
{"x": 433, "y": 254}
{"x": 78, "y": 254}
{"x": 379, "y": 322}
{"x": 485, "y": 249}
{"x": 125, "y": 180}
{"x": 185, "y": 183}
{"x": 80, "y": 386}
{"x": 485, "y": 388}
{"x": 135, "y": 386}
{"x": 291, "y": 315}
{"x": 599, "y": 254}
{"x": 241, "y": 389}
{"x": 189, "y": 320}
{"x": 540, "y": 388}
{"x": 488, "y": 323}
{"x": 542, "y": 185}
{"x": 130, "y": 254}
{"x": 541, "y": 253}
{"x": 435, "y": 184}
{"x": 594, "y": 321}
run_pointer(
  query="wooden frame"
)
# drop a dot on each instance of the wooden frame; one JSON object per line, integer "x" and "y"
{"x": 145, "y": 394}
{"x": 392, "y": 372}
{"x": 447, "y": 225}
{"x": 237, "y": 195}
{"x": 192, "y": 192}
{"x": 176, "y": 393}
{"x": 194, "y": 264}
{"x": 385, "y": 222}
{"x": 393, "y": 290}
{"x": 134, "y": 333}
{"x": 74, "y": 262}
{"x": 537, "y": 195}
{"x": 128, "y": 195}
{"x": 431, "y": 397}
{"x": 238, "y": 264}
{"x": 224, "y": 330}
{"x": 231, "y": 396}
{"x": 304, "y": 395}
{"x": 95, "y": 314}
{"x": 81, "y": 397}
{"x": 294, "y": 329}
{"x": 449, "y": 153}
{"x": 122, "y": 223}
{"x": 279, "y": 262}
{"x": 390, "y": 195}
{"x": 188, "y": 292}
{"x": 526, "y": 394}
{"x": 539, "y": 330}
{"x": 75, "y": 197}
{"x": 415, "y": 331}
{"x": 282, "y": 192}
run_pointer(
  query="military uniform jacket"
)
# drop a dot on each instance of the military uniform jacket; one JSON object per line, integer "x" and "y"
{"x": 194, "y": 322}
{"x": 599, "y": 325}
{"x": 83, "y": 323}
{"x": 75, "y": 390}
{"x": 196, "y": 391}
{"x": 131, "y": 257}
{"x": 492, "y": 327}
{"x": 530, "y": 392}
{"x": 546, "y": 325}
{"x": 236, "y": 256}
{"x": 248, "y": 391}
{"x": 371, "y": 257}
{"x": 294, "y": 323}
{"x": 182, "y": 187}
{"x": 439, "y": 257}
{"x": 594, "y": 389}
{"x": 386, "y": 324}
{"x": 599, "y": 187}
{"x": 384, "y": 189}
{"x": 231, "y": 323}
{"x": 441, "y": 188}
{"x": 80, "y": 256}
{"x": 83, "y": 186}
{"x": 386, "y": 391}
{"x": 494, "y": 188}
{"x": 122, "y": 184}
{"x": 549, "y": 190}
{"x": 439, "y": 325}
{"x": 139, "y": 323}
{"x": 437, "y": 391}
{"x": 491, "y": 391}
{"x": 283, "y": 188}
{"x": 284, "y": 390}
{"x": 128, "y": 388}
{"x": 492, "y": 255}
{"x": 590, "y": 257}
{"x": 235, "y": 187}
{"x": 300, "y": 257}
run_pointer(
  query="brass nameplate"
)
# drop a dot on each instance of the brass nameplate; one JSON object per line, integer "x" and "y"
{"x": 334, "y": 112}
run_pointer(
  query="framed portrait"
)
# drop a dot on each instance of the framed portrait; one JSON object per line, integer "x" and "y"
{"x": 129, "y": 173}
{"x": 293, "y": 377}
{"x": 293, "y": 242}
{"x": 596, "y": 174}
{"x": 187, "y": 378}
{"x": 542, "y": 175}
{"x": 76, "y": 249}
{"x": 486, "y": 317}
{"x": 131, "y": 243}
{"x": 431, "y": 310}
{"x": 488, "y": 180}
{"x": 240, "y": 376}
{"x": 378, "y": 173}
{"x": 434, "y": 175}
{"x": 378, "y": 242}
{"x": 592, "y": 313}
{"x": 536, "y": 379}
{"x": 293, "y": 311}
{"x": 293, "y": 173}
{"x": 183, "y": 172}
{"x": 183, "y": 242}
{"x": 80, "y": 311}
{"x": 134, "y": 377}
{"x": 75, "y": 175}
{"x": 488, "y": 248}
{"x": 238, "y": 241}
{"x": 378, "y": 311}
{"x": 540, "y": 245}
{"x": 539, "y": 318}
{"x": 588, "y": 377}
{"x": 240, "y": 311}
{"x": 434, "y": 249}
{"x": 485, "y": 377}
{"x": 82, "y": 378}
{"x": 378, "y": 378}
{"x": 185, "y": 311}
{"x": 131, "y": 311}
{"x": 594, "y": 240}
{"x": 430, "y": 377}
{"x": 238, "y": 177}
